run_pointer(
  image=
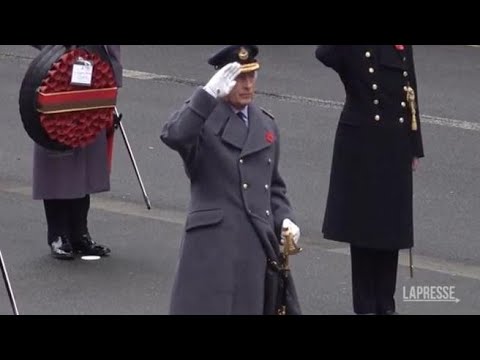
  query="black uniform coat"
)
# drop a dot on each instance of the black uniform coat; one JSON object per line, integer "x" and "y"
{"x": 238, "y": 203}
{"x": 370, "y": 197}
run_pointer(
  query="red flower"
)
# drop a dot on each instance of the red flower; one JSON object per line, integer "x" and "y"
{"x": 400, "y": 47}
{"x": 76, "y": 128}
{"x": 270, "y": 137}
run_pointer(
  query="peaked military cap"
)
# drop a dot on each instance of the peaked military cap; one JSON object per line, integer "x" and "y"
{"x": 243, "y": 54}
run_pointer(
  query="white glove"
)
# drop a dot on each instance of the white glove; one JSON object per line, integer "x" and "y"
{"x": 288, "y": 227}
{"x": 222, "y": 83}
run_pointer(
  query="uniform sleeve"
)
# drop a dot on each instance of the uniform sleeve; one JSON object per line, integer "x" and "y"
{"x": 416, "y": 137}
{"x": 281, "y": 206}
{"x": 183, "y": 129}
{"x": 114, "y": 55}
{"x": 331, "y": 56}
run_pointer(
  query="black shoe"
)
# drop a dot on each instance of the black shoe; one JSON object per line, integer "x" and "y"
{"x": 366, "y": 314}
{"x": 391, "y": 312}
{"x": 387, "y": 312}
{"x": 86, "y": 246}
{"x": 61, "y": 248}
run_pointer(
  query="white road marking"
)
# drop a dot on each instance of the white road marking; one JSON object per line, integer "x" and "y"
{"x": 328, "y": 104}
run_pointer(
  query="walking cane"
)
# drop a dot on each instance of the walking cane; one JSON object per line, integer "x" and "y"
{"x": 7, "y": 285}
{"x": 411, "y": 263}
{"x": 132, "y": 158}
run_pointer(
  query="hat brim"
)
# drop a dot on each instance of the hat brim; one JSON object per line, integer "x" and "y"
{"x": 249, "y": 67}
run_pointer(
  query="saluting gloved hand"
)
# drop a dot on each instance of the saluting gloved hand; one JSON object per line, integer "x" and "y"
{"x": 223, "y": 81}
{"x": 289, "y": 227}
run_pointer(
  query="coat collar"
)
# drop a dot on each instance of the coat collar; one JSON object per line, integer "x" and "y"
{"x": 256, "y": 137}
{"x": 391, "y": 57}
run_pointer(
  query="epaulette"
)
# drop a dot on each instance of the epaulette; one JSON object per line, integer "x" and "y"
{"x": 269, "y": 114}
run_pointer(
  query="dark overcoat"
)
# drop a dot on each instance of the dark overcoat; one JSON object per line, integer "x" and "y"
{"x": 370, "y": 196}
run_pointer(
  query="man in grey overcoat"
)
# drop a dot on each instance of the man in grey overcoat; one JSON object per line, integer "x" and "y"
{"x": 64, "y": 181}
{"x": 239, "y": 206}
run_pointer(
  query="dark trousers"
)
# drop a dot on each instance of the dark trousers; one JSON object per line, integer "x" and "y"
{"x": 374, "y": 280}
{"x": 67, "y": 218}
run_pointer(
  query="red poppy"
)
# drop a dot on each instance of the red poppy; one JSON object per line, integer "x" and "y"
{"x": 270, "y": 137}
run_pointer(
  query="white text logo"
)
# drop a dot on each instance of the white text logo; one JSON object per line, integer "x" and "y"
{"x": 430, "y": 294}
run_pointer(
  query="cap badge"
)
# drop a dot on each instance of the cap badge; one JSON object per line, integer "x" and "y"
{"x": 243, "y": 54}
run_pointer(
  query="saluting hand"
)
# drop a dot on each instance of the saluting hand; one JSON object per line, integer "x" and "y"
{"x": 222, "y": 83}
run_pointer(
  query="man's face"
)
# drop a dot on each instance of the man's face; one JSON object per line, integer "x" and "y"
{"x": 244, "y": 91}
